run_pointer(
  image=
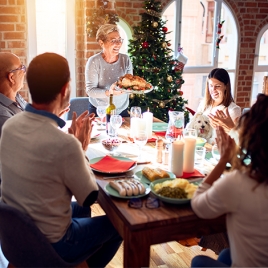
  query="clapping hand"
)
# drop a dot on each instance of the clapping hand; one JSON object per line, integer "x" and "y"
{"x": 225, "y": 144}
{"x": 222, "y": 119}
{"x": 81, "y": 127}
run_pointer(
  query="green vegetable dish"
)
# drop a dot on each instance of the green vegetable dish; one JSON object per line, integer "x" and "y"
{"x": 172, "y": 192}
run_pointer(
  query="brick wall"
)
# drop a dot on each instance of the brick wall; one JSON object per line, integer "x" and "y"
{"x": 13, "y": 31}
{"x": 251, "y": 16}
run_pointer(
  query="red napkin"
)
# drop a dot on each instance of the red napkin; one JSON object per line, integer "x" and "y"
{"x": 161, "y": 133}
{"x": 152, "y": 139}
{"x": 110, "y": 164}
{"x": 195, "y": 174}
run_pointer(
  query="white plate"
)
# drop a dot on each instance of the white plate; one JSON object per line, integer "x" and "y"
{"x": 143, "y": 179}
{"x": 134, "y": 91}
{"x": 94, "y": 134}
{"x": 113, "y": 192}
{"x": 94, "y": 160}
{"x": 176, "y": 201}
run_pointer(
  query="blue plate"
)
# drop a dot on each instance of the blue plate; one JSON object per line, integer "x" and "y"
{"x": 159, "y": 127}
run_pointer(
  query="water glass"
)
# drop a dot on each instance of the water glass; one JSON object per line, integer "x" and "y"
{"x": 140, "y": 138}
{"x": 116, "y": 122}
{"x": 215, "y": 152}
{"x": 101, "y": 112}
{"x": 200, "y": 153}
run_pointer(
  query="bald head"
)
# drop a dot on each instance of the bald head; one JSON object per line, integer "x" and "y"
{"x": 8, "y": 61}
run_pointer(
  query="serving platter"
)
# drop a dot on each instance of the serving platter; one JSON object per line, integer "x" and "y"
{"x": 142, "y": 91}
{"x": 111, "y": 191}
{"x": 143, "y": 179}
{"x": 176, "y": 201}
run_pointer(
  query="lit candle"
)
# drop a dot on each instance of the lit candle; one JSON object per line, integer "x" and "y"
{"x": 176, "y": 157}
{"x": 148, "y": 117}
{"x": 189, "y": 152}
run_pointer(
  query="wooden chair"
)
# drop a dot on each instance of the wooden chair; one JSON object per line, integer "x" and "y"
{"x": 24, "y": 245}
{"x": 78, "y": 105}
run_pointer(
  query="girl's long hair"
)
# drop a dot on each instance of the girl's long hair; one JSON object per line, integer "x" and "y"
{"x": 253, "y": 141}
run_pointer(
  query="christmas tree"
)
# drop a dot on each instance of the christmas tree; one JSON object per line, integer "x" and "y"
{"x": 153, "y": 60}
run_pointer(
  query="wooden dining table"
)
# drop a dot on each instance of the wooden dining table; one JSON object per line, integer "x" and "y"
{"x": 140, "y": 228}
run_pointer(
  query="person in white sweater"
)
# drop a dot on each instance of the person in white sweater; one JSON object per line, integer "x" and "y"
{"x": 218, "y": 103}
{"x": 241, "y": 194}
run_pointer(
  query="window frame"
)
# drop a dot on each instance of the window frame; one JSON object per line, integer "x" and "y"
{"x": 70, "y": 37}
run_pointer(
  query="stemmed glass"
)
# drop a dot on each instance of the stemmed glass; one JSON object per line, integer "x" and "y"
{"x": 140, "y": 138}
{"x": 116, "y": 122}
{"x": 135, "y": 113}
{"x": 215, "y": 152}
{"x": 101, "y": 112}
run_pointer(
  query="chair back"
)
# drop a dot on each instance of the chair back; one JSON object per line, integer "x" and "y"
{"x": 23, "y": 244}
{"x": 78, "y": 105}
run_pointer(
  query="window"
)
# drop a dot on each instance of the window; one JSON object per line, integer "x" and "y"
{"x": 194, "y": 27}
{"x": 51, "y": 28}
{"x": 261, "y": 63}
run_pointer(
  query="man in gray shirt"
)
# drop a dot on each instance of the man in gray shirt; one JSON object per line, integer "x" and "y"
{"x": 11, "y": 81}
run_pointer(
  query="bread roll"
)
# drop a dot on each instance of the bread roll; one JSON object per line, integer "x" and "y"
{"x": 153, "y": 174}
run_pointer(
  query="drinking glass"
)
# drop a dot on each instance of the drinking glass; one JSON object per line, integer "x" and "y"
{"x": 116, "y": 122}
{"x": 140, "y": 138}
{"x": 215, "y": 152}
{"x": 101, "y": 112}
{"x": 135, "y": 113}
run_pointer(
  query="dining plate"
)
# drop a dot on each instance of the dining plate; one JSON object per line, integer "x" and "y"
{"x": 176, "y": 201}
{"x": 143, "y": 179}
{"x": 111, "y": 191}
{"x": 94, "y": 160}
{"x": 159, "y": 127}
{"x": 135, "y": 91}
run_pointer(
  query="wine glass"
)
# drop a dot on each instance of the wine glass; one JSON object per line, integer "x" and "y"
{"x": 101, "y": 112}
{"x": 116, "y": 122}
{"x": 215, "y": 152}
{"x": 135, "y": 112}
{"x": 140, "y": 138}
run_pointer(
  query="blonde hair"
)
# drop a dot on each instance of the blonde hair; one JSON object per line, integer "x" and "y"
{"x": 104, "y": 30}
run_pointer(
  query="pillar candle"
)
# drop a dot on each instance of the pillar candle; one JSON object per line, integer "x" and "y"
{"x": 139, "y": 125}
{"x": 133, "y": 125}
{"x": 148, "y": 117}
{"x": 188, "y": 156}
{"x": 176, "y": 157}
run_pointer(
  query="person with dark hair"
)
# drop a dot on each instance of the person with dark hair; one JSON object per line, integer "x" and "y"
{"x": 218, "y": 103}
{"x": 240, "y": 194}
{"x": 43, "y": 168}
{"x": 12, "y": 74}
{"x": 105, "y": 68}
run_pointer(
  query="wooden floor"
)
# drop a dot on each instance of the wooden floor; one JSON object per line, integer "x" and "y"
{"x": 167, "y": 255}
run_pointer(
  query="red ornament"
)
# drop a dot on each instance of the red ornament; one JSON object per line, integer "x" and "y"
{"x": 168, "y": 44}
{"x": 145, "y": 44}
{"x": 164, "y": 29}
{"x": 180, "y": 93}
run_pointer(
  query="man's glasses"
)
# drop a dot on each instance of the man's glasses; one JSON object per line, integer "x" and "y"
{"x": 116, "y": 41}
{"x": 23, "y": 68}
{"x": 137, "y": 203}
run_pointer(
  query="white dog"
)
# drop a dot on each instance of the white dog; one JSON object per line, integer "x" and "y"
{"x": 200, "y": 122}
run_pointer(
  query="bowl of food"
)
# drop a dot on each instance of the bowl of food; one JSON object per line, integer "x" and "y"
{"x": 200, "y": 141}
{"x": 111, "y": 144}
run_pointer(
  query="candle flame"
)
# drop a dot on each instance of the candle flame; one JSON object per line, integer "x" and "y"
{"x": 148, "y": 110}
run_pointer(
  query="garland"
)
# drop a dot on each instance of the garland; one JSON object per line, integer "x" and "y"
{"x": 100, "y": 17}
